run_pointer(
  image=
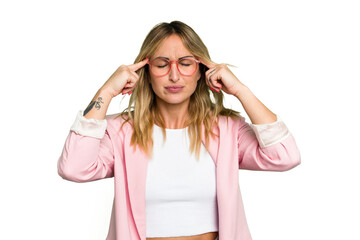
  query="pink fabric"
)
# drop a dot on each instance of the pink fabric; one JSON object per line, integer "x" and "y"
{"x": 86, "y": 158}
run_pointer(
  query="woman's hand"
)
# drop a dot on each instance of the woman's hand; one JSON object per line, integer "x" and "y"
{"x": 219, "y": 77}
{"x": 124, "y": 79}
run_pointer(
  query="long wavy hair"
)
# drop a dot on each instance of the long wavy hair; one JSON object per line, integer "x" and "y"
{"x": 204, "y": 108}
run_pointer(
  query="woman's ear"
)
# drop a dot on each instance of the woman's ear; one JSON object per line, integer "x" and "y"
{"x": 149, "y": 78}
{"x": 198, "y": 75}
{"x": 202, "y": 69}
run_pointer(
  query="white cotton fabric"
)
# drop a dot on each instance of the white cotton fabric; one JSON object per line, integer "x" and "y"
{"x": 180, "y": 190}
{"x": 89, "y": 127}
{"x": 270, "y": 133}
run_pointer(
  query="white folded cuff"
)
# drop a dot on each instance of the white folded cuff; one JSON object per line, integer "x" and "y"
{"x": 270, "y": 133}
{"x": 89, "y": 127}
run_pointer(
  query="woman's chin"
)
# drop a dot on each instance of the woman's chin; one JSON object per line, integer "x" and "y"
{"x": 174, "y": 100}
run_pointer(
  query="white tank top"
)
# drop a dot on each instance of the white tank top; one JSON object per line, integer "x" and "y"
{"x": 180, "y": 190}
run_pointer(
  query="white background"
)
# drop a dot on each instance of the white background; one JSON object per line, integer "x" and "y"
{"x": 300, "y": 58}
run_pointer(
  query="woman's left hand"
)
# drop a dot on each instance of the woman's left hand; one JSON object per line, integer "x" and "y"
{"x": 219, "y": 77}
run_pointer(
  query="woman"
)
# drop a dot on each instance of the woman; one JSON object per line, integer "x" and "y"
{"x": 175, "y": 151}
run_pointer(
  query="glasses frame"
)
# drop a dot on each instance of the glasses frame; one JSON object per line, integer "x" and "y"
{"x": 177, "y": 65}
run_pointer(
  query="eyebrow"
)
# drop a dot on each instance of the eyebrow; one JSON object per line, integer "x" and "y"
{"x": 169, "y": 58}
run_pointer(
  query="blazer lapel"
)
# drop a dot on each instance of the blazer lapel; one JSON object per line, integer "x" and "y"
{"x": 136, "y": 169}
{"x": 213, "y": 148}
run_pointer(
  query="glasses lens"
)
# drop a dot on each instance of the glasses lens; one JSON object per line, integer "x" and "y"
{"x": 187, "y": 66}
{"x": 159, "y": 66}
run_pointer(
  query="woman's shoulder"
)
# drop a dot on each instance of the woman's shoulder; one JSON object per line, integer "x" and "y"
{"x": 119, "y": 120}
{"x": 230, "y": 120}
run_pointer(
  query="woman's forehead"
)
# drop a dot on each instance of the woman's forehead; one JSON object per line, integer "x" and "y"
{"x": 172, "y": 48}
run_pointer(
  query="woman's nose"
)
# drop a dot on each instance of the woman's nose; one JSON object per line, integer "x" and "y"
{"x": 174, "y": 72}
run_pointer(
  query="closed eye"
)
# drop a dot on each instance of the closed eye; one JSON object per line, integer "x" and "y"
{"x": 162, "y": 66}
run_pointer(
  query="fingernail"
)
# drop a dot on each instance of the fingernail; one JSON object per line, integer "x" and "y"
{"x": 123, "y": 93}
{"x": 217, "y": 90}
{"x": 130, "y": 92}
{"x": 212, "y": 89}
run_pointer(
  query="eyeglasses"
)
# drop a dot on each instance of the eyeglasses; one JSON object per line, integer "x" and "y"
{"x": 161, "y": 66}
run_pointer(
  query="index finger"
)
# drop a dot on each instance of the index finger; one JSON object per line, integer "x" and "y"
{"x": 208, "y": 64}
{"x": 136, "y": 66}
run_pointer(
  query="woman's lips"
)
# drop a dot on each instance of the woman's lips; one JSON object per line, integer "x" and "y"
{"x": 174, "y": 89}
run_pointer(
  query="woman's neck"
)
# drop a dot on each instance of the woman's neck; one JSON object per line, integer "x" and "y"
{"x": 174, "y": 115}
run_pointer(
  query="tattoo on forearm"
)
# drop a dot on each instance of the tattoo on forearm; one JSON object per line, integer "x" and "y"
{"x": 92, "y": 104}
{"x": 97, "y": 104}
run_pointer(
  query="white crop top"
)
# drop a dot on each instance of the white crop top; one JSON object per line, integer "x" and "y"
{"x": 180, "y": 190}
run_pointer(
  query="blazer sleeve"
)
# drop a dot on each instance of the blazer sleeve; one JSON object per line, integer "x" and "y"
{"x": 88, "y": 152}
{"x": 266, "y": 147}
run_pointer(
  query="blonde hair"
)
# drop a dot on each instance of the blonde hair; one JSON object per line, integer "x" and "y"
{"x": 142, "y": 111}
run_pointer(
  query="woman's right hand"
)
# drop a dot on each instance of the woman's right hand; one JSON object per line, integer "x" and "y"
{"x": 124, "y": 79}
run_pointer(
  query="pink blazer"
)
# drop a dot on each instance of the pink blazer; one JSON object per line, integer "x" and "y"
{"x": 96, "y": 149}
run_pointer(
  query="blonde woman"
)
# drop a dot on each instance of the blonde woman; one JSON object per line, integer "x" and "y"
{"x": 176, "y": 150}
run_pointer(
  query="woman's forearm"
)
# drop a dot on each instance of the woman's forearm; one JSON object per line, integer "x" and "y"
{"x": 256, "y": 110}
{"x": 98, "y": 106}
